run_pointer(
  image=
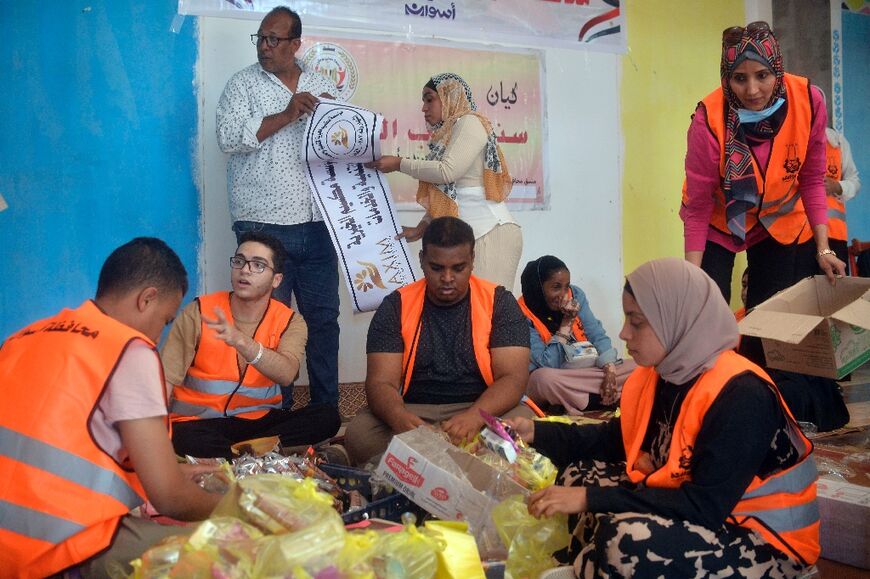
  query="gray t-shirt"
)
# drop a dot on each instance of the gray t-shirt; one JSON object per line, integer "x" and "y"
{"x": 445, "y": 369}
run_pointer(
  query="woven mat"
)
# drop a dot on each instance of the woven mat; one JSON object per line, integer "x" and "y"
{"x": 351, "y": 397}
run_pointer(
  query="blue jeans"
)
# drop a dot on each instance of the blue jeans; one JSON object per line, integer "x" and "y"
{"x": 311, "y": 274}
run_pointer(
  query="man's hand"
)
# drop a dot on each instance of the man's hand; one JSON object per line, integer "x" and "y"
{"x": 524, "y": 427}
{"x": 386, "y": 164}
{"x": 609, "y": 389}
{"x": 463, "y": 426}
{"x": 302, "y": 103}
{"x": 833, "y": 187}
{"x": 557, "y": 499}
{"x": 224, "y": 329}
{"x": 406, "y": 421}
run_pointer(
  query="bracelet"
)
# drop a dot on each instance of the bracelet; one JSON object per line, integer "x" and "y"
{"x": 826, "y": 252}
{"x": 258, "y": 356}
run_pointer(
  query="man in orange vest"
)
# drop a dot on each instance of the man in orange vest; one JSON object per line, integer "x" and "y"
{"x": 440, "y": 349}
{"x": 841, "y": 184}
{"x": 229, "y": 353}
{"x": 83, "y": 426}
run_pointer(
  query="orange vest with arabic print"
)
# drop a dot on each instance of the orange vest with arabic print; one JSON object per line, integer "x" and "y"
{"x": 781, "y": 508}
{"x": 781, "y": 211}
{"x": 836, "y": 206}
{"x": 61, "y": 495}
{"x": 547, "y": 335}
{"x": 215, "y": 386}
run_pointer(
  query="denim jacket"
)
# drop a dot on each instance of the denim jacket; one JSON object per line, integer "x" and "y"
{"x": 553, "y": 355}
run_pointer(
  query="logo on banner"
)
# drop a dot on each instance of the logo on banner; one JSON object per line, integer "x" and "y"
{"x": 336, "y": 64}
{"x": 368, "y": 277}
{"x": 341, "y": 133}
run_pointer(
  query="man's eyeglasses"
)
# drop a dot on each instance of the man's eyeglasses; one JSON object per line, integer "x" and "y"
{"x": 271, "y": 41}
{"x": 731, "y": 36}
{"x": 237, "y": 262}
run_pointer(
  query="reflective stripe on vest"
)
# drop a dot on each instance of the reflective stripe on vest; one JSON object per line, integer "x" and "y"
{"x": 794, "y": 481}
{"x": 35, "y": 524}
{"x": 63, "y": 464}
{"x": 227, "y": 387}
{"x": 204, "y": 412}
{"x": 787, "y": 518}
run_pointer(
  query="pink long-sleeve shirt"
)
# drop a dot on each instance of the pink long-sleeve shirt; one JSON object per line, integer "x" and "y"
{"x": 702, "y": 180}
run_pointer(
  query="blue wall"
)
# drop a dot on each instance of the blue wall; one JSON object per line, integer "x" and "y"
{"x": 99, "y": 121}
{"x": 856, "y": 114}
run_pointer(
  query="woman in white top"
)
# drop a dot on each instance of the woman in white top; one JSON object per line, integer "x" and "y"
{"x": 464, "y": 175}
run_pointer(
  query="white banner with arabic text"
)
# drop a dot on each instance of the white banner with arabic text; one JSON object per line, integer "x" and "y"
{"x": 356, "y": 202}
{"x": 581, "y": 24}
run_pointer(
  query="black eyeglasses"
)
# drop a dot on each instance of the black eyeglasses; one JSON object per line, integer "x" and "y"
{"x": 271, "y": 41}
{"x": 237, "y": 262}
{"x": 731, "y": 36}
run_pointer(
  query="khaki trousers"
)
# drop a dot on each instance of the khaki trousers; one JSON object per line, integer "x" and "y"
{"x": 497, "y": 254}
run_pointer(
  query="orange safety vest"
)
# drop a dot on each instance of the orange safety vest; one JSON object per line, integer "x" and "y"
{"x": 482, "y": 307}
{"x": 61, "y": 495}
{"x": 836, "y": 206}
{"x": 782, "y": 508}
{"x": 213, "y": 387}
{"x": 546, "y": 335}
{"x": 781, "y": 210}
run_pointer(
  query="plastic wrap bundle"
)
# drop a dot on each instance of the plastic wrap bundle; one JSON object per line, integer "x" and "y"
{"x": 531, "y": 542}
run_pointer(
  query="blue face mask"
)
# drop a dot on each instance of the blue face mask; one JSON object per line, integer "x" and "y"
{"x": 747, "y": 116}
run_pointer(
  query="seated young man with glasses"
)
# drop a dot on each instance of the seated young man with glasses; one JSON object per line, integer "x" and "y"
{"x": 229, "y": 354}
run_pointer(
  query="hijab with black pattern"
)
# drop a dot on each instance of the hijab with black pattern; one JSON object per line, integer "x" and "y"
{"x": 739, "y": 186}
{"x": 457, "y": 101}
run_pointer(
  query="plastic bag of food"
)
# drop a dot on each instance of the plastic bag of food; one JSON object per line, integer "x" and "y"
{"x": 276, "y": 504}
{"x": 408, "y": 554}
{"x": 311, "y": 550}
{"x": 355, "y": 559}
{"x": 460, "y": 557}
{"x": 157, "y": 561}
{"x": 531, "y": 542}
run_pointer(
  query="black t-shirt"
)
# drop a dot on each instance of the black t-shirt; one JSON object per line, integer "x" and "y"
{"x": 445, "y": 369}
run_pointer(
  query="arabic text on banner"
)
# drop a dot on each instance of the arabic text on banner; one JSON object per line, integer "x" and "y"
{"x": 580, "y": 24}
{"x": 355, "y": 202}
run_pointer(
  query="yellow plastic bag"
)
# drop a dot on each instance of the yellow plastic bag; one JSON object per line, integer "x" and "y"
{"x": 460, "y": 558}
{"x": 355, "y": 559}
{"x": 531, "y": 542}
{"x": 408, "y": 554}
{"x": 275, "y": 504}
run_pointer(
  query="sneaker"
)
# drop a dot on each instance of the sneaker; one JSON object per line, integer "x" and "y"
{"x": 334, "y": 454}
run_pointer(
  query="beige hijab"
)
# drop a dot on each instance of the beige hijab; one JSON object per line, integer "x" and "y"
{"x": 456, "y": 102}
{"x": 687, "y": 313}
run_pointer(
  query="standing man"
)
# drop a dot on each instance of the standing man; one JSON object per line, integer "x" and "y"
{"x": 260, "y": 123}
{"x": 227, "y": 355}
{"x": 841, "y": 184}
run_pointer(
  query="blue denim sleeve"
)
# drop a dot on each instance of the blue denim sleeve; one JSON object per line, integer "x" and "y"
{"x": 594, "y": 330}
{"x": 551, "y": 355}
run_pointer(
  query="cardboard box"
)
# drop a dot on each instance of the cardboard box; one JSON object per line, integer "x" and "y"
{"x": 448, "y": 483}
{"x": 814, "y": 327}
{"x": 844, "y": 509}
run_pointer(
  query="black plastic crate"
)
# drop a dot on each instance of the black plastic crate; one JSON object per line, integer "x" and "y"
{"x": 350, "y": 479}
{"x": 389, "y": 508}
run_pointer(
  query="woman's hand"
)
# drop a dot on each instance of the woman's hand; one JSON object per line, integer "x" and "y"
{"x": 609, "y": 389}
{"x": 524, "y": 427}
{"x": 569, "y": 309}
{"x": 832, "y": 266}
{"x": 557, "y": 499}
{"x": 413, "y": 233}
{"x": 386, "y": 164}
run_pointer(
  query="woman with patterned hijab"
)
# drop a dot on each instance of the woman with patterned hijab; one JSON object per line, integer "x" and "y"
{"x": 755, "y": 170}
{"x": 704, "y": 472}
{"x": 464, "y": 175}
